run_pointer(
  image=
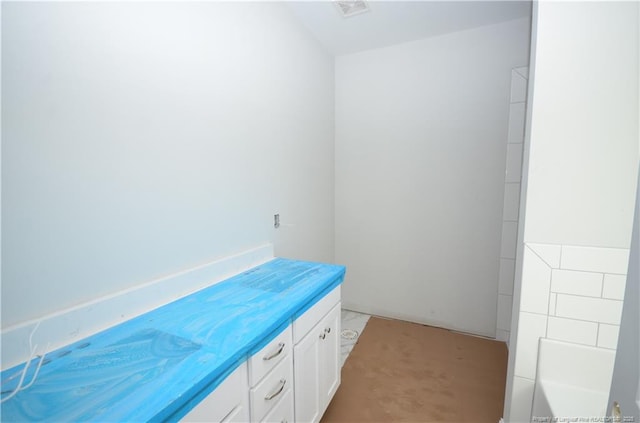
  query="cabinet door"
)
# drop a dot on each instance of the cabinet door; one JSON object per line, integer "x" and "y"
{"x": 229, "y": 402}
{"x": 306, "y": 366}
{"x": 330, "y": 357}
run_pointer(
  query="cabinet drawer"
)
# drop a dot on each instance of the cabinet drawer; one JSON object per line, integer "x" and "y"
{"x": 271, "y": 389}
{"x": 282, "y": 412}
{"x": 268, "y": 357}
{"x": 229, "y": 402}
{"x": 303, "y": 324}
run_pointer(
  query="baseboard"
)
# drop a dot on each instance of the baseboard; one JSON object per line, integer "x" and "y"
{"x": 390, "y": 314}
{"x": 66, "y": 326}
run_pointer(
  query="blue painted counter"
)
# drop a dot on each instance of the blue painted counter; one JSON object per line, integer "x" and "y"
{"x": 156, "y": 366}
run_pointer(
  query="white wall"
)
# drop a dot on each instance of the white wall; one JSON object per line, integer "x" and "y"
{"x": 143, "y": 139}
{"x": 584, "y": 149}
{"x": 421, "y": 132}
{"x": 581, "y": 158}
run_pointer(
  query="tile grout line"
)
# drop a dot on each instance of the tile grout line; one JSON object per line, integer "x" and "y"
{"x": 544, "y": 261}
{"x": 586, "y": 296}
{"x": 574, "y": 342}
{"x": 594, "y": 271}
{"x": 582, "y": 271}
{"x": 584, "y": 321}
{"x": 560, "y": 258}
{"x": 556, "y": 316}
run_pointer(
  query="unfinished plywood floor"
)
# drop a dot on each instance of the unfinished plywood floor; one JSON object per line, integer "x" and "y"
{"x": 406, "y": 372}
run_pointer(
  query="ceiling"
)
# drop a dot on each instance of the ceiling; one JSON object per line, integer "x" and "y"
{"x": 392, "y": 22}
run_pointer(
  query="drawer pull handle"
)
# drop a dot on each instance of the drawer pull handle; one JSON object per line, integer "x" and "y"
{"x": 277, "y": 391}
{"x": 275, "y": 354}
{"x": 327, "y": 330}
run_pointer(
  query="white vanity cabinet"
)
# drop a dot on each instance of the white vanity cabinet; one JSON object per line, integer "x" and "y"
{"x": 260, "y": 390}
{"x": 291, "y": 379}
{"x": 317, "y": 358}
{"x": 229, "y": 402}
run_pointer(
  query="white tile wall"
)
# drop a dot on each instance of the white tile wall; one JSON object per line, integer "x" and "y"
{"x": 531, "y": 327}
{"x": 549, "y": 253}
{"x": 521, "y": 400}
{"x": 553, "y": 299}
{"x": 514, "y": 162}
{"x": 614, "y": 286}
{"x": 569, "y": 293}
{"x": 516, "y": 123}
{"x": 511, "y": 202}
{"x": 505, "y": 279}
{"x": 509, "y": 237}
{"x": 536, "y": 278}
{"x": 592, "y": 259}
{"x": 608, "y": 336}
{"x": 518, "y": 87}
{"x": 570, "y": 330}
{"x": 591, "y": 309}
{"x": 578, "y": 283}
{"x": 523, "y": 71}
{"x": 504, "y": 312}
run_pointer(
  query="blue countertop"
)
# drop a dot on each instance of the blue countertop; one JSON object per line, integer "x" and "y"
{"x": 157, "y": 366}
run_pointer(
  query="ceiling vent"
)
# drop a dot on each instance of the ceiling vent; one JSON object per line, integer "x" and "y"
{"x": 350, "y": 8}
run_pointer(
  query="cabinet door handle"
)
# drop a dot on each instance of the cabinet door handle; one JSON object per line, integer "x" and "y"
{"x": 275, "y": 354}
{"x": 327, "y": 330}
{"x": 323, "y": 335}
{"x": 277, "y": 391}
